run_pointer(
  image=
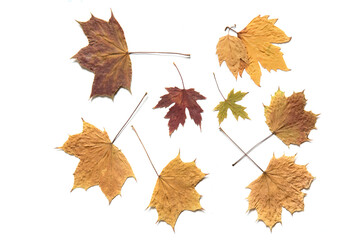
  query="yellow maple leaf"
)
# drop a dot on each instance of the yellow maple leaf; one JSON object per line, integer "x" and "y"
{"x": 232, "y": 50}
{"x": 101, "y": 162}
{"x": 287, "y": 118}
{"x": 279, "y": 186}
{"x": 257, "y": 39}
{"x": 175, "y": 191}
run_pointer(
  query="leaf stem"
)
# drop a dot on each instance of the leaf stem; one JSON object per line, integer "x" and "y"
{"x": 245, "y": 154}
{"x": 145, "y": 151}
{"x": 168, "y": 53}
{"x": 180, "y": 75}
{"x": 127, "y": 121}
{"x": 231, "y": 28}
{"x": 219, "y": 88}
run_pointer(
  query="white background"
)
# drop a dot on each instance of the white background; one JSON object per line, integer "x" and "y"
{"x": 44, "y": 95}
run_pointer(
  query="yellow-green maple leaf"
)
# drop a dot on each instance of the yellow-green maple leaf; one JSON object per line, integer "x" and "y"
{"x": 230, "y": 103}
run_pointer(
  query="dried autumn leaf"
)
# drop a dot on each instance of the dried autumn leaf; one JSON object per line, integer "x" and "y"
{"x": 230, "y": 103}
{"x": 279, "y": 186}
{"x": 287, "y": 118}
{"x": 106, "y": 55}
{"x": 258, "y": 38}
{"x": 175, "y": 191}
{"x": 101, "y": 162}
{"x": 233, "y": 51}
{"x": 182, "y": 99}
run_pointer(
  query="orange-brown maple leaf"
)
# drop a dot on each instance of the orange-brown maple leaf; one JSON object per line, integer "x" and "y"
{"x": 279, "y": 186}
{"x": 101, "y": 162}
{"x": 287, "y": 118}
{"x": 182, "y": 99}
{"x": 175, "y": 191}
{"x": 106, "y": 55}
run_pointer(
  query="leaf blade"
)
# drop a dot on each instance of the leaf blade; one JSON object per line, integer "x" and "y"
{"x": 182, "y": 99}
{"x": 106, "y": 55}
{"x": 175, "y": 192}
{"x": 287, "y": 118}
{"x": 230, "y": 103}
{"x": 101, "y": 162}
{"x": 279, "y": 186}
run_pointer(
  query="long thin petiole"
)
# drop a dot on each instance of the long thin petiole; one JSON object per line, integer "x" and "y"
{"x": 245, "y": 154}
{"x": 180, "y": 75}
{"x": 167, "y": 53}
{"x": 145, "y": 150}
{"x": 219, "y": 88}
{"x": 127, "y": 121}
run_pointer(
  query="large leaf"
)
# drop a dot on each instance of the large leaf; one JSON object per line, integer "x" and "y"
{"x": 106, "y": 55}
{"x": 175, "y": 191}
{"x": 279, "y": 186}
{"x": 101, "y": 162}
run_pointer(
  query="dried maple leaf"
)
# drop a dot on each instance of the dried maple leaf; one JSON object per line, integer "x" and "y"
{"x": 257, "y": 38}
{"x": 106, "y": 55}
{"x": 287, "y": 118}
{"x": 101, "y": 162}
{"x": 175, "y": 191}
{"x": 279, "y": 186}
{"x": 182, "y": 99}
{"x": 230, "y": 103}
{"x": 233, "y": 51}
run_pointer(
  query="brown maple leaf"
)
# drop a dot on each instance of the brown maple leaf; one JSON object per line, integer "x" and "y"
{"x": 175, "y": 191}
{"x": 257, "y": 39}
{"x": 279, "y": 186}
{"x": 101, "y": 162}
{"x": 182, "y": 99}
{"x": 287, "y": 118}
{"x": 106, "y": 55}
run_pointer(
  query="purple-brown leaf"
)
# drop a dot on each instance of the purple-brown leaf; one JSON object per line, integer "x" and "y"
{"x": 106, "y": 55}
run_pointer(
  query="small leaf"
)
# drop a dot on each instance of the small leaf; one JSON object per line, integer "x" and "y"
{"x": 232, "y": 50}
{"x": 287, "y": 118}
{"x": 175, "y": 191}
{"x": 182, "y": 99}
{"x": 230, "y": 103}
{"x": 279, "y": 186}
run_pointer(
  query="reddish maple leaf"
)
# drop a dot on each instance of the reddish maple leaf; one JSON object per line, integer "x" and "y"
{"x": 183, "y": 98}
{"x": 106, "y": 55}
